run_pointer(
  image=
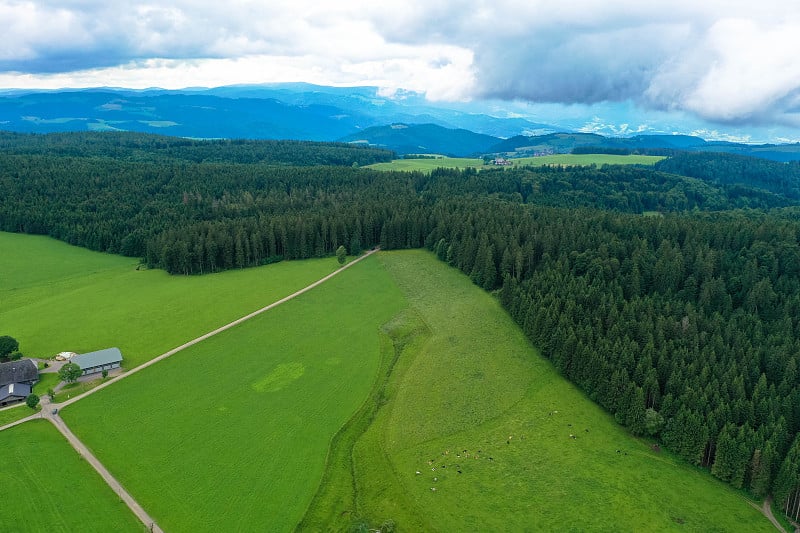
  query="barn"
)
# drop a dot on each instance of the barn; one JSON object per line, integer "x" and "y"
{"x": 23, "y": 371}
{"x": 93, "y": 362}
{"x": 13, "y": 393}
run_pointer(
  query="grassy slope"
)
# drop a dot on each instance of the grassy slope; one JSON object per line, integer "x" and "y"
{"x": 426, "y": 165}
{"x": 470, "y": 381}
{"x": 56, "y": 297}
{"x": 48, "y": 487}
{"x": 232, "y": 434}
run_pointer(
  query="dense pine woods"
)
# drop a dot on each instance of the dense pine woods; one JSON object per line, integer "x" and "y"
{"x": 685, "y": 324}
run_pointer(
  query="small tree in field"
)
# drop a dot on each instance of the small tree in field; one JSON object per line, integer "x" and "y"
{"x": 104, "y": 373}
{"x": 32, "y": 401}
{"x": 341, "y": 254}
{"x": 69, "y": 372}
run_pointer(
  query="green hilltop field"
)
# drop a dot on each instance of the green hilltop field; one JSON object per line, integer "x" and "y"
{"x": 318, "y": 414}
{"x": 426, "y": 165}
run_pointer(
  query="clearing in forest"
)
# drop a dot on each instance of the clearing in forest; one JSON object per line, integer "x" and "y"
{"x": 476, "y": 431}
{"x": 322, "y": 411}
{"x": 426, "y": 165}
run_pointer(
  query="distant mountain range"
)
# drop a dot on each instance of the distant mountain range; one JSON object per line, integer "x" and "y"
{"x": 284, "y": 111}
{"x": 403, "y": 122}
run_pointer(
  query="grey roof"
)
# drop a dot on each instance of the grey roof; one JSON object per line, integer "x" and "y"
{"x": 18, "y": 372}
{"x": 14, "y": 389}
{"x": 98, "y": 358}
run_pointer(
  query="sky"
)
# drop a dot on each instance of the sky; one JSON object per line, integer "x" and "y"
{"x": 723, "y": 65}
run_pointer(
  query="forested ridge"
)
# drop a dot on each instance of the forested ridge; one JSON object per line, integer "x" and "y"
{"x": 684, "y": 324}
{"x": 158, "y": 148}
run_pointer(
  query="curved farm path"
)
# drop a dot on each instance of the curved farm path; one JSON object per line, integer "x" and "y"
{"x": 766, "y": 509}
{"x": 50, "y": 411}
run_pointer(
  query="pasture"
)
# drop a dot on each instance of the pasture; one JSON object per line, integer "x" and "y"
{"x": 84, "y": 301}
{"x": 15, "y": 413}
{"x": 232, "y": 434}
{"x": 474, "y": 433}
{"x": 322, "y": 411}
{"x": 427, "y": 165}
{"x": 49, "y": 487}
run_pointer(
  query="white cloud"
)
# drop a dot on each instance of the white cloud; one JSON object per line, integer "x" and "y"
{"x": 728, "y": 61}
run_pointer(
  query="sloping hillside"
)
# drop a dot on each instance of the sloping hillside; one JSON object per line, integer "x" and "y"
{"x": 424, "y": 139}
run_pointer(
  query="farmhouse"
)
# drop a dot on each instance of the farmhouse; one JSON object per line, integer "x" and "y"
{"x": 98, "y": 361}
{"x": 13, "y": 393}
{"x": 23, "y": 371}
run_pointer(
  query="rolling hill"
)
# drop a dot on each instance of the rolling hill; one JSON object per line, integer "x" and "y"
{"x": 424, "y": 139}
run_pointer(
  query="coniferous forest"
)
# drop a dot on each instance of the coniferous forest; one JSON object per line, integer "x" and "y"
{"x": 670, "y": 295}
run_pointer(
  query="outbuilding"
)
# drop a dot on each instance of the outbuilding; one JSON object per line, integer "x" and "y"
{"x": 13, "y": 393}
{"x": 93, "y": 362}
{"x": 23, "y": 371}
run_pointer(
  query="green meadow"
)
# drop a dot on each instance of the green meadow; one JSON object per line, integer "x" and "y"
{"x": 232, "y": 434}
{"x": 12, "y": 415}
{"x": 397, "y": 390}
{"x": 473, "y": 433}
{"x": 426, "y": 165}
{"x": 49, "y": 487}
{"x": 55, "y": 297}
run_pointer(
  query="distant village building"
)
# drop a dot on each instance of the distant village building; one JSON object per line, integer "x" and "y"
{"x": 13, "y": 393}
{"x": 93, "y": 362}
{"x": 501, "y": 161}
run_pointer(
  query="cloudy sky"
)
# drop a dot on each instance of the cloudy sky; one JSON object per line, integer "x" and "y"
{"x": 731, "y": 63}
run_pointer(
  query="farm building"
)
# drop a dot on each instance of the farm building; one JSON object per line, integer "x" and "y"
{"x": 98, "y": 361}
{"x": 13, "y": 393}
{"x": 23, "y": 371}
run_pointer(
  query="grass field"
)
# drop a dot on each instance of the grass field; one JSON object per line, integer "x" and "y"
{"x": 232, "y": 434}
{"x": 55, "y": 297}
{"x": 324, "y": 408}
{"x": 471, "y": 399}
{"x": 426, "y": 165}
{"x": 12, "y": 415}
{"x": 46, "y": 381}
{"x": 48, "y": 487}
